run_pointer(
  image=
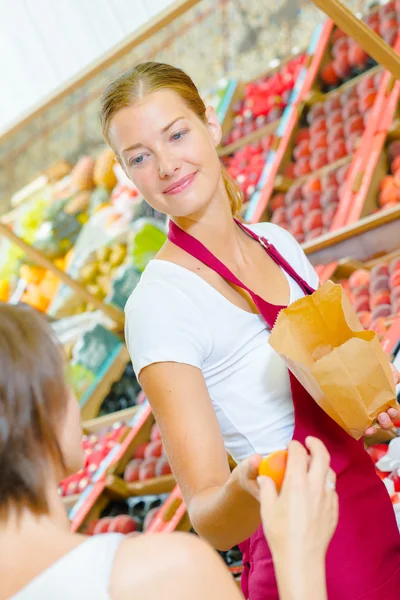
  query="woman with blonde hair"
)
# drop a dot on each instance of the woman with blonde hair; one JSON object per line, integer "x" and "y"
{"x": 197, "y": 327}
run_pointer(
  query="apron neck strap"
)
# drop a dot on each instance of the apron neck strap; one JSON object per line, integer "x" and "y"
{"x": 195, "y": 248}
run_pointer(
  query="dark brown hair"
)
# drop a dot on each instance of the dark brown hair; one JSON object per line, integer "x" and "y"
{"x": 140, "y": 81}
{"x": 33, "y": 398}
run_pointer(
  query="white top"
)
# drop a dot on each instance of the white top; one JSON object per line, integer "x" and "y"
{"x": 83, "y": 573}
{"x": 174, "y": 315}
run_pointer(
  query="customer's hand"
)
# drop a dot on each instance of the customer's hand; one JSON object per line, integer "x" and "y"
{"x": 299, "y": 522}
{"x": 385, "y": 419}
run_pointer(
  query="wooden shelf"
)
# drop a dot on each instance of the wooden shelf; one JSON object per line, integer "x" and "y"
{"x": 361, "y": 33}
{"x": 121, "y": 489}
{"x": 90, "y": 404}
{"x": 373, "y": 235}
{"x": 40, "y": 259}
{"x": 252, "y": 137}
{"x": 97, "y": 424}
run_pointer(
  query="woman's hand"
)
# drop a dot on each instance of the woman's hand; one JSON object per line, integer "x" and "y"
{"x": 385, "y": 419}
{"x": 299, "y": 522}
{"x": 246, "y": 474}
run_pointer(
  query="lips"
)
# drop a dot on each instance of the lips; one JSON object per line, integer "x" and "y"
{"x": 180, "y": 185}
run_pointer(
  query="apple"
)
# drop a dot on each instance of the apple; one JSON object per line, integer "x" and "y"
{"x": 140, "y": 450}
{"x": 122, "y": 524}
{"x": 147, "y": 469}
{"x": 154, "y": 449}
{"x": 162, "y": 467}
{"x": 336, "y": 151}
{"x": 132, "y": 470}
{"x": 155, "y": 434}
{"x": 319, "y": 159}
{"x": 102, "y": 525}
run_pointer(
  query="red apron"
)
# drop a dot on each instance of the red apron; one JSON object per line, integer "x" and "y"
{"x": 363, "y": 559}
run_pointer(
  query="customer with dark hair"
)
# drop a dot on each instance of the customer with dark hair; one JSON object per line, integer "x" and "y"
{"x": 40, "y": 443}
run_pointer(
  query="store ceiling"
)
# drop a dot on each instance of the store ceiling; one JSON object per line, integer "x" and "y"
{"x": 45, "y": 43}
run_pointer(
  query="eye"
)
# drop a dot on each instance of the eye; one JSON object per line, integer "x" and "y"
{"x": 136, "y": 160}
{"x": 179, "y": 135}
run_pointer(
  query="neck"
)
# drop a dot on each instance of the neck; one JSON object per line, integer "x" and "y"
{"x": 215, "y": 227}
{"x": 30, "y": 525}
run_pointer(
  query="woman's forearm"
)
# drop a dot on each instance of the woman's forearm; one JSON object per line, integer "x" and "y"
{"x": 225, "y": 515}
{"x": 301, "y": 579}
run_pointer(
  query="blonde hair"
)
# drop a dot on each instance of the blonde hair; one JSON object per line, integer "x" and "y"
{"x": 148, "y": 77}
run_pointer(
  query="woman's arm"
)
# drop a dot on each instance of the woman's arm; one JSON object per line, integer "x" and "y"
{"x": 300, "y": 522}
{"x": 222, "y": 506}
{"x": 178, "y": 566}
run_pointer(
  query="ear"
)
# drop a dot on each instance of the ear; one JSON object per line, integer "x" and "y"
{"x": 213, "y": 125}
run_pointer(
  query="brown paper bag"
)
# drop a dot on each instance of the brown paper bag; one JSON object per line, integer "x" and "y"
{"x": 342, "y": 366}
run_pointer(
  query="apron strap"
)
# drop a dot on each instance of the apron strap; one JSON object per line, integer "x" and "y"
{"x": 189, "y": 244}
{"x": 278, "y": 258}
{"x": 192, "y": 246}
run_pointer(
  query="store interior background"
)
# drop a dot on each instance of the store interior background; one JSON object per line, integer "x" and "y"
{"x": 50, "y": 98}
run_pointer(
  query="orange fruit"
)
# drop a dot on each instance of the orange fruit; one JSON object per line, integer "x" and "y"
{"x": 274, "y": 466}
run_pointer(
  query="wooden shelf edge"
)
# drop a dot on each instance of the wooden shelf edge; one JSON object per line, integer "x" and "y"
{"x": 252, "y": 137}
{"x": 155, "y": 486}
{"x": 366, "y": 224}
{"x": 114, "y": 372}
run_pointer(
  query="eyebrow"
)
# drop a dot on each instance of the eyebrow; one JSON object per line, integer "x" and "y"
{"x": 163, "y": 130}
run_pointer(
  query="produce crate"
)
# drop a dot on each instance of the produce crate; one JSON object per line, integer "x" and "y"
{"x": 257, "y": 105}
{"x": 93, "y": 499}
{"x": 172, "y": 516}
{"x": 374, "y": 289}
{"x": 335, "y": 57}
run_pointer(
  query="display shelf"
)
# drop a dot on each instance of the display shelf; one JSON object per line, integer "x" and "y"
{"x": 93, "y": 500}
{"x": 97, "y": 424}
{"x": 372, "y": 235}
{"x": 155, "y": 485}
{"x": 289, "y": 119}
{"x": 111, "y": 371}
{"x": 251, "y": 138}
{"x": 173, "y": 515}
{"x": 251, "y": 109}
{"x": 40, "y": 259}
{"x": 364, "y": 35}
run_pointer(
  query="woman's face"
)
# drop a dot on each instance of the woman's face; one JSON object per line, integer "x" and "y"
{"x": 169, "y": 153}
{"x": 71, "y": 436}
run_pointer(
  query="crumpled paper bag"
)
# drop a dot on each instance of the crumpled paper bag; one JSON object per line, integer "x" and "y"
{"x": 342, "y": 366}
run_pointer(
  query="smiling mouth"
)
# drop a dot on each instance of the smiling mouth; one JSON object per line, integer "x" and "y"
{"x": 180, "y": 185}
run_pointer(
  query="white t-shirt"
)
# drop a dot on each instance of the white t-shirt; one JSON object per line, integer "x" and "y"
{"x": 83, "y": 573}
{"x": 173, "y": 315}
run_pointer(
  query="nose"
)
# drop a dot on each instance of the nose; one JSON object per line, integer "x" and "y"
{"x": 167, "y": 165}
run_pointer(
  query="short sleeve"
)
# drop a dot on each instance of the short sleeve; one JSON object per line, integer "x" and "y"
{"x": 290, "y": 249}
{"x": 163, "y": 325}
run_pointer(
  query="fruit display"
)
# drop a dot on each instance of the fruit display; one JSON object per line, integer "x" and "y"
{"x": 386, "y": 458}
{"x": 346, "y": 58}
{"x": 123, "y": 393}
{"x": 96, "y": 448}
{"x": 148, "y": 460}
{"x": 246, "y": 165}
{"x": 264, "y": 100}
{"x": 375, "y": 293}
{"x": 334, "y": 126}
{"x": 131, "y": 516}
{"x": 389, "y": 192}
{"x": 307, "y": 209}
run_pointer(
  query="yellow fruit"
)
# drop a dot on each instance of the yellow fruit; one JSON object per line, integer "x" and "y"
{"x": 4, "y": 290}
{"x": 104, "y": 175}
{"x": 31, "y": 274}
{"x": 82, "y": 173}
